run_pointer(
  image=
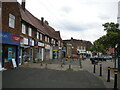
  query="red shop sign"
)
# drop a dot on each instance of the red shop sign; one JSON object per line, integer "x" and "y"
{"x": 15, "y": 38}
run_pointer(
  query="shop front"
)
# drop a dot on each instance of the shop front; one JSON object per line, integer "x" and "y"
{"x": 55, "y": 52}
{"x": 63, "y": 52}
{"x": 24, "y": 50}
{"x": 39, "y": 51}
{"x": 31, "y": 43}
{"x": 47, "y": 52}
{"x": 10, "y": 49}
{"x": 60, "y": 53}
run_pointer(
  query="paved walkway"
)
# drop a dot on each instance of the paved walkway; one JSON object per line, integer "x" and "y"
{"x": 89, "y": 67}
{"x": 86, "y": 66}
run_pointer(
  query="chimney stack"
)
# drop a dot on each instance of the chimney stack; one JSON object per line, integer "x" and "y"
{"x": 23, "y": 4}
{"x": 42, "y": 20}
{"x": 46, "y": 22}
{"x": 71, "y": 38}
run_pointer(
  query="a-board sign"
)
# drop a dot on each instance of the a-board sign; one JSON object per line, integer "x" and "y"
{"x": 14, "y": 63}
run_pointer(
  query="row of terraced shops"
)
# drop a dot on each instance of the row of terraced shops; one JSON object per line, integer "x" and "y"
{"x": 25, "y": 38}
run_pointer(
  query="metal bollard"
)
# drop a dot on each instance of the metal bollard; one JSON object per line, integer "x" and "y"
{"x": 94, "y": 68}
{"x": 41, "y": 64}
{"x": 115, "y": 80}
{"x": 80, "y": 63}
{"x": 108, "y": 79}
{"x": 100, "y": 69}
{"x": 46, "y": 65}
{"x": 61, "y": 65}
{"x": 69, "y": 66}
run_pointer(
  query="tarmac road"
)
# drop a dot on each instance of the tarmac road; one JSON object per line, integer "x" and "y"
{"x": 42, "y": 78}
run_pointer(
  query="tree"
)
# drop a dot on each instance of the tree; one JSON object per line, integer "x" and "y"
{"x": 98, "y": 47}
{"x": 112, "y": 36}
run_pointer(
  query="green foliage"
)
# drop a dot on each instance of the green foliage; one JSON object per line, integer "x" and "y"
{"x": 71, "y": 61}
{"x": 109, "y": 40}
{"x": 112, "y": 36}
{"x": 69, "y": 70}
{"x": 98, "y": 47}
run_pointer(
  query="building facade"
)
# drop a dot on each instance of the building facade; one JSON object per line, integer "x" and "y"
{"x": 77, "y": 47}
{"x": 25, "y": 38}
{"x": 10, "y": 33}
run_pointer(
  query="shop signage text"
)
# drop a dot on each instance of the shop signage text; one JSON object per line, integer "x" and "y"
{"x": 9, "y": 38}
{"x": 47, "y": 46}
{"x": 40, "y": 44}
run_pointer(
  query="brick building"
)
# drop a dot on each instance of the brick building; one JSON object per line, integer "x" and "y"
{"x": 74, "y": 46}
{"x": 25, "y": 37}
{"x": 10, "y": 33}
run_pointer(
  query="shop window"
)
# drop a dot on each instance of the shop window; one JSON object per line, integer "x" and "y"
{"x": 23, "y": 29}
{"x": 11, "y": 21}
{"x": 9, "y": 54}
{"x": 30, "y": 31}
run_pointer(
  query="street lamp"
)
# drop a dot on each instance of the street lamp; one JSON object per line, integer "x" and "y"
{"x": 115, "y": 54}
{"x": 72, "y": 52}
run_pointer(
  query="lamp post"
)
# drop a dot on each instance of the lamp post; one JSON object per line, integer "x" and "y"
{"x": 72, "y": 52}
{"x": 115, "y": 55}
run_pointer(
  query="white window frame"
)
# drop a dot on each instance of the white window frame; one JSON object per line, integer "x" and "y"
{"x": 48, "y": 39}
{"x": 54, "y": 42}
{"x": 37, "y": 35}
{"x": 81, "y": 48}
{"x": 23, "y": 28}
{"x": 59, "y": 43}
{"x": 45, "y": 38}
{"x": 41, "y": 37}
{"x": 11, "y": 21}
{"x": 30, "y": 31}
{"x": 84, "y": 48}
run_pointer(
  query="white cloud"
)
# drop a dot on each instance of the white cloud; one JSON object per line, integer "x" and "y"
{"x": 81, "y": 19}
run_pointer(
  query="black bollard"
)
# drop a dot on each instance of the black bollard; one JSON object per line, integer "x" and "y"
{"x": 46, "y": 65}
{"x": 41, "y": 64}
{"x": 80, "y": 63}
{"x": 100, "y": 69}
{"x": 108, "y": 79}
{"x": 69, "y": 66}
{"x": 115, "y": 80}
{"x": 94, "y": 68}
{"x": 61, "y": 65}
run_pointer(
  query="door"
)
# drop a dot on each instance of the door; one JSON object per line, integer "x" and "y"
{"x": 9, "y": 53}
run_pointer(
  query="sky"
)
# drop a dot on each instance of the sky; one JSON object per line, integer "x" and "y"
{"x": 80, "y": 19}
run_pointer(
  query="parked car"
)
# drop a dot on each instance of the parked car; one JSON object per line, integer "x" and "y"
{"x": 108, "y": 57}
{"x": 74, "y": 56}
{"x": 96, "y": 59}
